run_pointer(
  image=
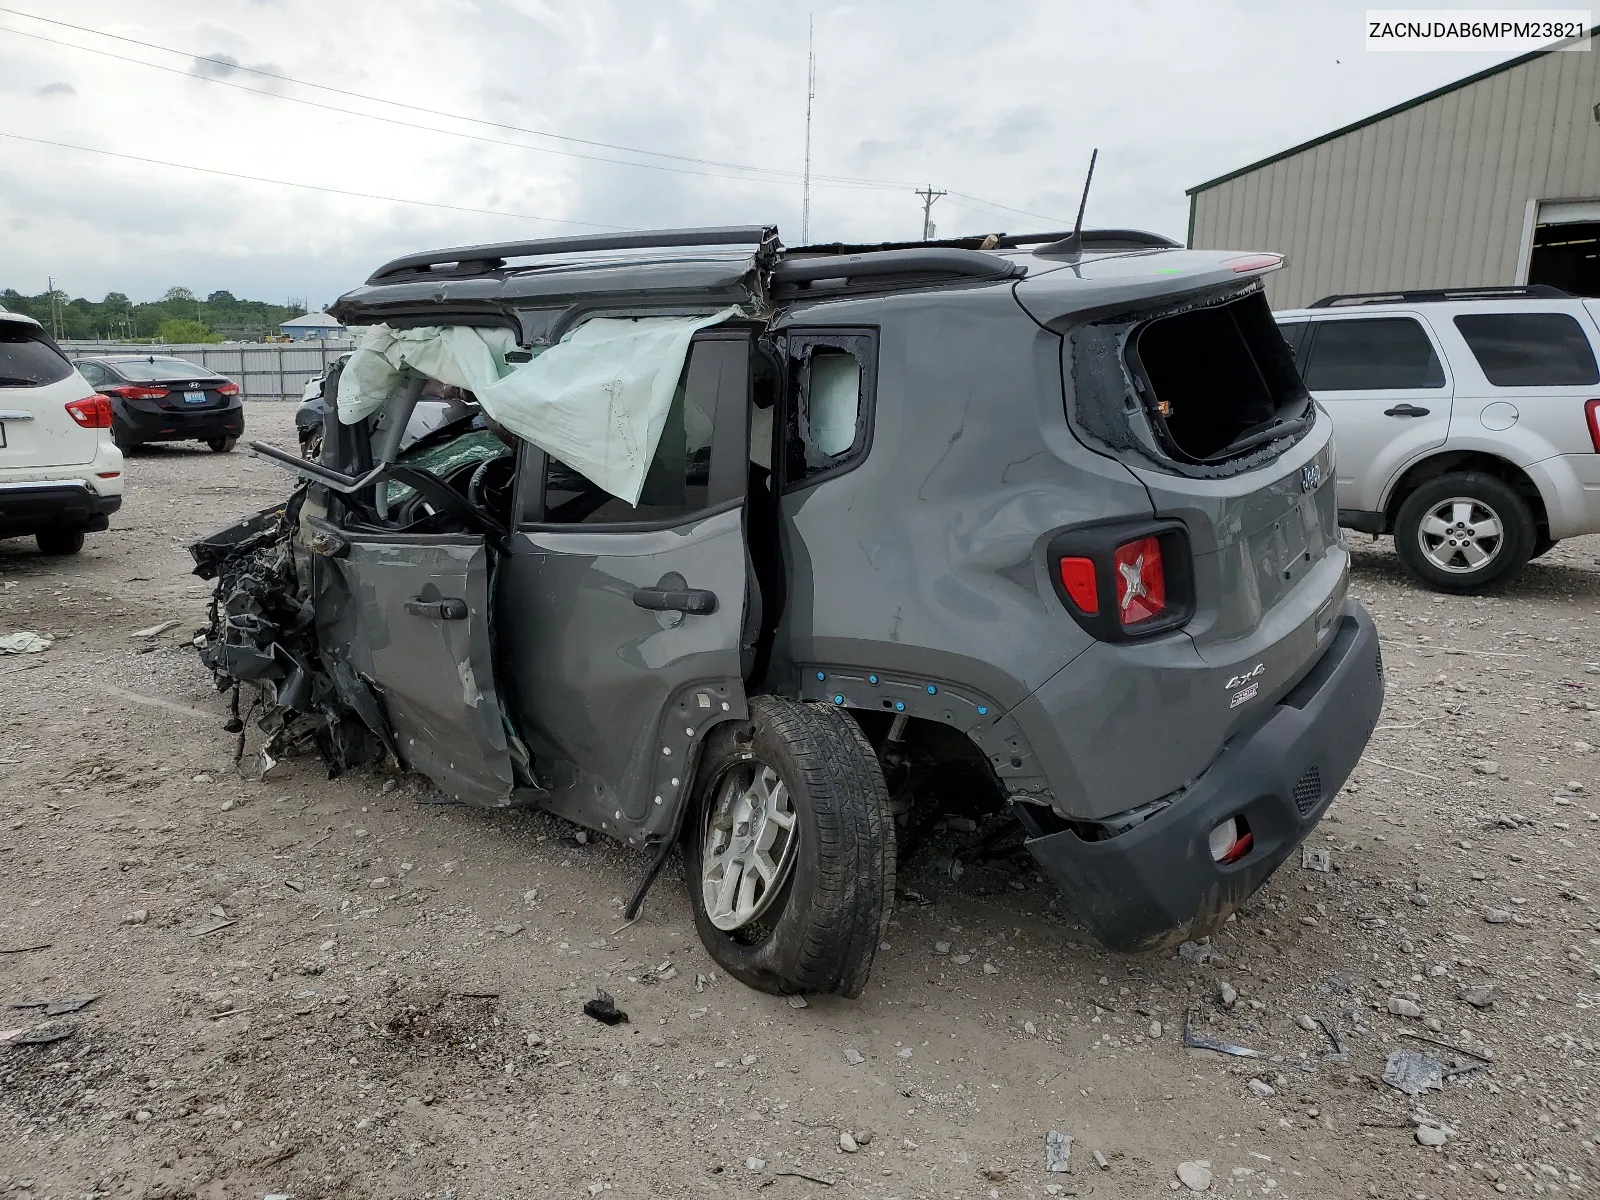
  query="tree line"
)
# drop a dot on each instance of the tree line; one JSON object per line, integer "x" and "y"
{"x": 178, "y": 317}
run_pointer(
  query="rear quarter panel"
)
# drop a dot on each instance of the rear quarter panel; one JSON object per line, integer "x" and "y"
{"x": 928, "y": 558}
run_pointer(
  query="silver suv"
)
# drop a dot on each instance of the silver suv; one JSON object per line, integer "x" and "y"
{"x": 1467, "y": 422}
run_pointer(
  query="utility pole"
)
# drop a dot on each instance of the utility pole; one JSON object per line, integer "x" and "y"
{"x": 928, "y": 197}
{"x": 811, "y": 94}
{"x": 55, "y": 319}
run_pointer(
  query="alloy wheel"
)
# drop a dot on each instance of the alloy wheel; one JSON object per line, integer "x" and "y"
{"x": 750, "y": 840}
{"x": 1461, "y": 535}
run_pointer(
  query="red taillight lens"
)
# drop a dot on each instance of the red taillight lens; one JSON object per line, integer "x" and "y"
{"x": 92, "y": 412}
{"x": 129, "y": 392}
{"x": 1591, "y": 411}
{"x": 1077, "y": 576}
{"x": 228, "y": 389}
{"x": 1256, "y": 262}
{"x": 1141, "y": 582}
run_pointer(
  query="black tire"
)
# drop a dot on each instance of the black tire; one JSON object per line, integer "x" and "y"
{"x": 828, "y": 914}
{"x": 59, "y": 541}
{"x": 1484, "y": 492}
{"x": 1543, "y": 543}
{"x": 222, "y": 445}
{"x": 121, "y": 439}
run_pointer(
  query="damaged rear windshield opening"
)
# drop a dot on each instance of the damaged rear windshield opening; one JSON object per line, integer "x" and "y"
{"x": 1218, "y": 382}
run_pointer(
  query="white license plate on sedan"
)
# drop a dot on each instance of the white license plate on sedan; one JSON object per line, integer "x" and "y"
{"x": 196, "y": 397}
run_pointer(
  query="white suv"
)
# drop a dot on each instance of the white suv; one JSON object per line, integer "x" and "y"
{"x": 1467, "y": 421}
{"x": 60, "y": 473}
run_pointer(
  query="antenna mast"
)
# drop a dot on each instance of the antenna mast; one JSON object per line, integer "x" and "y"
{"x": 811, "y": 94}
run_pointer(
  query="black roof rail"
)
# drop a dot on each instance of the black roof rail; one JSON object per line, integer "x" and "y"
{"x": 1103, "y": 239}
{"x": 915, "y": 259}
{"x": 1532, "y": 291}
{"x": 476, "y": 260}
{"x": 1099, "y": 238}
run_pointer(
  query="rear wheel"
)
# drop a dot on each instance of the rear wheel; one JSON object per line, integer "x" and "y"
{"x": 789, "y": 850}
{"x": 59, "y": 541}
{"x": 1463, "y": 532}
{"x": 311, "y": 445}
{"x": 222, "y": 445}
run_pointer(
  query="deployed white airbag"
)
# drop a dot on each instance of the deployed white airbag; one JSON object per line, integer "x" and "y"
{"x": 597, "y": 400}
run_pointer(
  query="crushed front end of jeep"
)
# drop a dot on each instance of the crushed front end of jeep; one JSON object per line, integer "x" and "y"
{"x": 260, "y": 635}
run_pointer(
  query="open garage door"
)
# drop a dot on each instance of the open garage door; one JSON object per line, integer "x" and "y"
{"x": 1566, "y": 246}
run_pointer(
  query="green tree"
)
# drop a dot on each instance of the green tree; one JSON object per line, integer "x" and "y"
{"x": 178, "y": 293}
{"x": 180, "y": 331}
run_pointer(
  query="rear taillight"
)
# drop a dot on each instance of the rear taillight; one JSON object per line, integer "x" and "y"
{"x": 1077, "y": 576}
{"x": 228, "y": 389}
{"x": 92, "y": 412}
{"x": 1591, "y": 412}
{"x": 1124, "y": 579}
{"x": 130, "y": 392}
{"x": 1141, "y": 582}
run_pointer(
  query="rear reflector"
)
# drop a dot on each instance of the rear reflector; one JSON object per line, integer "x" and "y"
{"x": 1591, "y": 411}
{"x": 1141, "y": 582}
{"x": 1230, "y": 841}
{"x": 1077, "y": 576}
{"x": 92, "y": 412}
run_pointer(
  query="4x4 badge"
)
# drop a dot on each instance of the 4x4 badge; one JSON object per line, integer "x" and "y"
{"x": 1310, "y": 476}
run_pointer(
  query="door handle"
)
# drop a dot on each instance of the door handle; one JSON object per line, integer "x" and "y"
{"x": 689, "y": 600}
{"x": 1405, "y": 410}
{"x": 438, "y": 610}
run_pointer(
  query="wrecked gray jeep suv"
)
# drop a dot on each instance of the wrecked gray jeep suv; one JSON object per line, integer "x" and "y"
{"x": 759, "y": 551}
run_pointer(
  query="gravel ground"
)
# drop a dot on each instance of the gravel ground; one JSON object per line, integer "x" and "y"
{"x": 394, "y": 1009}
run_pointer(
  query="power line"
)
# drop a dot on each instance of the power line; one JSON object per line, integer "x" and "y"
{"x": 310, "y": 187}
{"x": 781, "y": 173}
{"x": 232, "y": 66}
{"x": 351, "y": 112}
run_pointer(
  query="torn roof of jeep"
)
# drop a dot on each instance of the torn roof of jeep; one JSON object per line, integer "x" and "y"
{"x": 657, "y": 270}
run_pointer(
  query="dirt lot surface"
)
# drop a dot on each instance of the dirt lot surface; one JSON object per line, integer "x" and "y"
{"x": 334, "y": 988}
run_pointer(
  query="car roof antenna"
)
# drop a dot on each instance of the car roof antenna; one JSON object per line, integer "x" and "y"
{"x": 1072, "y": 245}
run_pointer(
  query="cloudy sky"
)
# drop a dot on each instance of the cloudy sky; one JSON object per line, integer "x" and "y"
{"x": 526, "y": 109}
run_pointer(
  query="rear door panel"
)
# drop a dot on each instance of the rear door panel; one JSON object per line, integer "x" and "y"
{"x": 599, "y": 678}
{"x": 385, "y": 606}
{"x": 1376, "y": 439}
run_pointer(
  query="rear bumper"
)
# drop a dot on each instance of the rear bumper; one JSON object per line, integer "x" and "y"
{"x": 1157, "y": 884}
{"x": 135, "y": 424}
{"x": 68, "y": 504}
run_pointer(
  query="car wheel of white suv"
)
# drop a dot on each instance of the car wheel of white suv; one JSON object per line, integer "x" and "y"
{"x": 59, "y": 541}
{"x": 1464, "y": 532}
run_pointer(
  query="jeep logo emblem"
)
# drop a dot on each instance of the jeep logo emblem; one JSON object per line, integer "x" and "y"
{"x": 1310, "y": 476}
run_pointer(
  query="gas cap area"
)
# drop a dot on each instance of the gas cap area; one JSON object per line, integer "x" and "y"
{"x": 1502, "y": 414}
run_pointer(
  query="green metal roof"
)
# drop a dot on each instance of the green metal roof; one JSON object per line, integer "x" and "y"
{"x": 1508, "y": 65}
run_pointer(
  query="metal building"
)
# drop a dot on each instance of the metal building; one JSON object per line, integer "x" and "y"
{"x": 1494, "y": 179}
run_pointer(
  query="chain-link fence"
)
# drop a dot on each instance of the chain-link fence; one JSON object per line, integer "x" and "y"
{"x": 273, "y": 371}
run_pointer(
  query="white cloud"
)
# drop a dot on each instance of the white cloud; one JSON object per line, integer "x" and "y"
{"x": 1001, "y": 102}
